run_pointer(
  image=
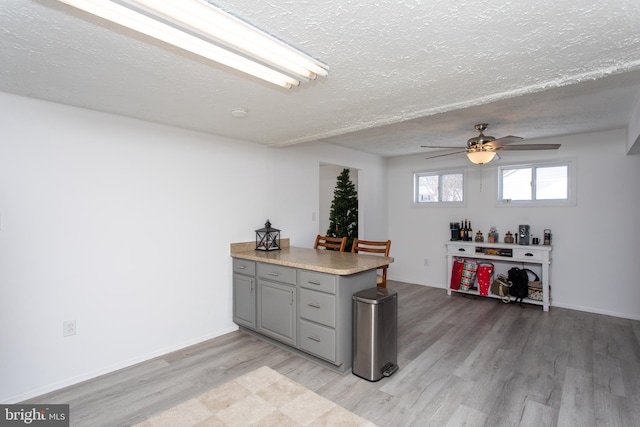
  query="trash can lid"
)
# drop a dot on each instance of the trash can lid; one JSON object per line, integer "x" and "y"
{"x": 375, "y": 295}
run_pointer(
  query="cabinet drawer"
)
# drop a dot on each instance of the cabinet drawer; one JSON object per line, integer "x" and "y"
{"x": 318, "y": 340}
{"x": 318, "y": 307}
{"x": 318, "y": 281}
{"x": 525, "y": 254}
{"x": 277, "y": 272}
{"x": 242, "y": 266}
{"x": 462, "y": 250}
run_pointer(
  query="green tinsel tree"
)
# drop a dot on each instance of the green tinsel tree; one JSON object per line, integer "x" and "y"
{"x": 343, "y": 218}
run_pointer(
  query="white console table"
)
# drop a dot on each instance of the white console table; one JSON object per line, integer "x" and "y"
{"x": 504, "y": 256}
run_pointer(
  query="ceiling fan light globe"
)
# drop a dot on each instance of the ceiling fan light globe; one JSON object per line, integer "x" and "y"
{"x": 481, "y": 157}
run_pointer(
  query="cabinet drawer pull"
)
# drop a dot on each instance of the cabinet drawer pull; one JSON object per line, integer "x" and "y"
{"x": 528, "y": 254}
{"x": 313, "y": 282}
{"x": 462, "y": 250}
{"x": 291, "y": 301}
{"x": 314, "y": 305}
{"x": 273, "y": 273}
{"x": 241, "y": 267}
{"x": 316, "y": 339}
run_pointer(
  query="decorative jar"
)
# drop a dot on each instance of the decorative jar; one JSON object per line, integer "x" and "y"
{"x": 508, "y": 238}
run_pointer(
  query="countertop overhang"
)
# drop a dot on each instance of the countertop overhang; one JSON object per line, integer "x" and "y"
{"x": 324, "y": 261}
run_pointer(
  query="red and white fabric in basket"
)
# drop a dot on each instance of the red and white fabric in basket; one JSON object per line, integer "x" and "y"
{"x": 456, "y": 273}
{"x": 484, "y": 275}
{"x": 468, "y": 279}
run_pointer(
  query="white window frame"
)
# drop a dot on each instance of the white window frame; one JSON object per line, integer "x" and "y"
{"x": 571, "y": 185}
{"x": 439, "y": 173}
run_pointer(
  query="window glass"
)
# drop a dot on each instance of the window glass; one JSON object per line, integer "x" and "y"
{"x": 536, "y": 183}
{"x": 452, "y": 190}
{"x": 552, "y": 183}
{"x": 439, "y": 187}
{"x": 516, "y": 184}
{"x": 428, "y": 188}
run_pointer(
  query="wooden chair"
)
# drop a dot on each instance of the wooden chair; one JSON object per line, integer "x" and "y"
{"x": 330, "y": 242}
{"x": 370, "y": 246}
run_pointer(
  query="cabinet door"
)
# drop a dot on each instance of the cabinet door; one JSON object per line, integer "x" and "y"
{"x": 244, "y": 300}
{"x": 277, "y": 311}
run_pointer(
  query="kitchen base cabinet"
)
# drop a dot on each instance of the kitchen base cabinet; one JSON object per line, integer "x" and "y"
{"x": 244, "y": 293}
{"x": 325, "y": 315}
{"x": 244, "y": 301}
{"x": 277, "y": 311}
{"x": 305, "y": 311}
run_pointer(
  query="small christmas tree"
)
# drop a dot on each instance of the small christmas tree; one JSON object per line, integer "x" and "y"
{"x": 343, "y": 218}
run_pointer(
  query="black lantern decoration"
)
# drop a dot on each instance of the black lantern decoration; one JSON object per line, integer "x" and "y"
{"x": 268, "y": 238}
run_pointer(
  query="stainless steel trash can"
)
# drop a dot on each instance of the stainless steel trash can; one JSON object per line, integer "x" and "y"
{"x": 375, "y": 333}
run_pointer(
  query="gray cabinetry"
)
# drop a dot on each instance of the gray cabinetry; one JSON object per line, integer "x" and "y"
{"x": 244, "y": 293}
{"x": 325, "y": 313}
{"x": 317, "y": 326}
{"x": 306, "y": 311}
{"x": 318, "y": 340}
{"x": 277, "y": 296}
{"x": 318, "y": 315}
{"x": 318, "y": 307}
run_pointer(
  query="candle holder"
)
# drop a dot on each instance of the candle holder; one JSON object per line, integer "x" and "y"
{"x": 267, "y": 238}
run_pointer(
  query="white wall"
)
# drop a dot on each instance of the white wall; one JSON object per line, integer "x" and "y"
{"x": 371, "y": 184}
{"x": 633, "y": 131}
{"x": 595, "y": 249}
{"x": 125, "y": 226}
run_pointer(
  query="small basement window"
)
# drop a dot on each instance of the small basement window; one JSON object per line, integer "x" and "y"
{"x": 437, "y": 188}
{"x": 545, "y": 183}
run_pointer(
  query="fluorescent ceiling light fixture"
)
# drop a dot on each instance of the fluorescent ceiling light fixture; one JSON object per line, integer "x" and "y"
{"x": 481, "y": 157}
{"x": 201, "y": 28}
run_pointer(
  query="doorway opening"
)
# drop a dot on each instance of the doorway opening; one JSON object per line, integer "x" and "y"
{"x": 327, "y": 183}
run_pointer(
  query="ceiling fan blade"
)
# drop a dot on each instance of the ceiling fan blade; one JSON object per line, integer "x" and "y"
{"x": 443, "y": 155}
{"x": 529, "y": 147}
{"x": 502, "y": 141}
{"x": 440, "y": 146}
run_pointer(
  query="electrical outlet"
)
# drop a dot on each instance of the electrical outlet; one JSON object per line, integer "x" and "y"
{"x": 68, "y": 328}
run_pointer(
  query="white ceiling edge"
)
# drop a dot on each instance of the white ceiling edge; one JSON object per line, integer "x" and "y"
{"x": 558, "y": 83}
{"x": 402, "y": 73}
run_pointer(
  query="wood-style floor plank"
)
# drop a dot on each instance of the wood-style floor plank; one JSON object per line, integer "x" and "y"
{"x": 463, "y": 361}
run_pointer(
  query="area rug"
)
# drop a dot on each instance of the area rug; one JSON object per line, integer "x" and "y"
{"x": 260, "y": 398}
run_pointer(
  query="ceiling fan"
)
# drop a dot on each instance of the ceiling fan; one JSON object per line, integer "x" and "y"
{"x": 482, "y": 148}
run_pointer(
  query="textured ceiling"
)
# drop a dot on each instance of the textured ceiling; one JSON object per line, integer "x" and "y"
{"x": 403, "y": 73}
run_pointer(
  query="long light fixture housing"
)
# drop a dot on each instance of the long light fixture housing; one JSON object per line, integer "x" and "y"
{"x": 201, "y": 28}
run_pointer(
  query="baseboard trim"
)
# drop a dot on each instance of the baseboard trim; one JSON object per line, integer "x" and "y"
{"x": 597, "y": 311}
{"x": 567, "y": 306}
{"x": 112, "y": 368}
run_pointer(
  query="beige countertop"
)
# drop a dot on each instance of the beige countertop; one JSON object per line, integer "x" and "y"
{"x": 332, "y": 262}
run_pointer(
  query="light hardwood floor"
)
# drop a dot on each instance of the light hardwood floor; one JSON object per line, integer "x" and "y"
{"x": 463, "y": 361}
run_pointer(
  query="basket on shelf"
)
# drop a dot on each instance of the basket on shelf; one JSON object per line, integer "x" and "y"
{"x": 534, "y": 287}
